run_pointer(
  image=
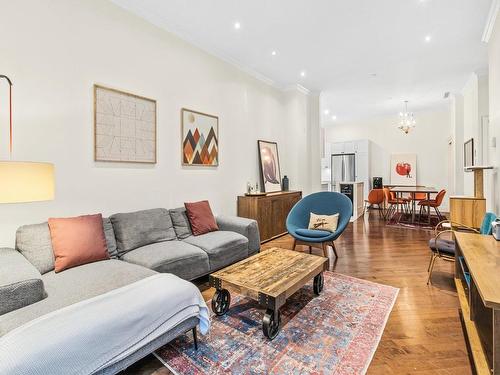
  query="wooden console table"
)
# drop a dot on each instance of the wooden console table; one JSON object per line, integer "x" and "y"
{"x": 477, "y": 278}
{"x": 269, "y": 210}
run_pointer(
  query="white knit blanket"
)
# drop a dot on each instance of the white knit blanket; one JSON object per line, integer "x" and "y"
{"x": 93, "y": 334}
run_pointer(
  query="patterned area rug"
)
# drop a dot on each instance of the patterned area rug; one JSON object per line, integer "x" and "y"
{"x": 334, "y": 333}
{"x": 403, "y": 220}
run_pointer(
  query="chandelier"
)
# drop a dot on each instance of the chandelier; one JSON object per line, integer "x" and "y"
{"x": 406, "y": 120}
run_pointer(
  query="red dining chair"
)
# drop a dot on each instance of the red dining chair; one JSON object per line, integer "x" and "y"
{"x": 375, "y": 197}
{"x": 392, "y": 201}
{"x": 417, "y": 197}
{"x": 434, "y": 203}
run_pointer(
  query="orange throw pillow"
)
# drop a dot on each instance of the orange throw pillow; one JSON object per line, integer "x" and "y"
{"x": 200, "y": 217}
{"x": 77, "y": 240}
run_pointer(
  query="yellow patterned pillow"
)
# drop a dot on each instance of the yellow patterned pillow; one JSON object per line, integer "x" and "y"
{"x": 323, "y": 222}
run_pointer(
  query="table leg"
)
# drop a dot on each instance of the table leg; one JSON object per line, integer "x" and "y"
{"x": 271, "y": 323}
{"x": 429, "y": 208}
{"x": 318, "y": 283}
{"x": 221, "y": 301}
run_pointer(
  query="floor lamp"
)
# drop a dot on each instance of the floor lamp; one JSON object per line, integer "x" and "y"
{"x": 22, "y": 181}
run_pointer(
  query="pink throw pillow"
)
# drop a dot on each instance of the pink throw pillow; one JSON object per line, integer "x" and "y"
{"x": 200, "y": 217}
{"x": 77, "y": 241}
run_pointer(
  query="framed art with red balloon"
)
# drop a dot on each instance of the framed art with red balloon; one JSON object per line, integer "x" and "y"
{"x": 404, "y": 169}
{"x": 270, "y": 174}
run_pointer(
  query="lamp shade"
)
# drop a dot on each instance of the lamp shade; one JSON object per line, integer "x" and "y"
{"x": 26, "y": 181}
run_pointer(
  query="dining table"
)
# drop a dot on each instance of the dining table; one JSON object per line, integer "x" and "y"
{"x": 400, "y": 190}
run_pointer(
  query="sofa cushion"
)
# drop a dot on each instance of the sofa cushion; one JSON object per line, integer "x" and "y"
{"x": 34, "y": 242}
{"x": 223, "y": 247}
{"x": 177, "y": 257}
{"x": 20, "y": 282}
{"x": 181, "y": 222}
{"x": 74, "y": 285}
{"x": 136, "y": 229}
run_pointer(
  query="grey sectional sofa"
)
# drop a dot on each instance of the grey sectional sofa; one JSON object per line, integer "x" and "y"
{"x": 140, "y": 244}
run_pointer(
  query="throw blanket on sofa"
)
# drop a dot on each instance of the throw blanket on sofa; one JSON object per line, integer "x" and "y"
{"x": 92, "y": 334}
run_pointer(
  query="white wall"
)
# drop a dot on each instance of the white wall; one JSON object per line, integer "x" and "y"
{"x": 55, "y": 51}
{"x": 475, "y": 107}
{"x": 429, "y": 140}
{"x": 470, "y": 94}
{"x": 457, "y": 142}
{"x": 494, "y": 109}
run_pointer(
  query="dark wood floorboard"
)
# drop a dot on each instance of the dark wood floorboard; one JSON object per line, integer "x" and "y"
{"x": 423, "y": 333}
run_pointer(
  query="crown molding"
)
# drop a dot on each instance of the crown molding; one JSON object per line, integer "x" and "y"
{"x": 297, "y": 87}
{"x": 490, "y": 22}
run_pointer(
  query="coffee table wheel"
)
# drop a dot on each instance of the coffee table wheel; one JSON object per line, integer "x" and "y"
{"x": 221, "y": 301}
{"x": 318, "y": 283}
{"x": 271, "y": 323}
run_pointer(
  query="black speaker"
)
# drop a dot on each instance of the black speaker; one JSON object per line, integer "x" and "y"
{"x": 377, "y": 183}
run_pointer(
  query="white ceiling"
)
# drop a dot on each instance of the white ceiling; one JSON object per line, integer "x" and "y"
{"x": 340, "y": 44}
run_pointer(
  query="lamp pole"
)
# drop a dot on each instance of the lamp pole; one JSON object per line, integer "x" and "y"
{"x": 10, "y": 111}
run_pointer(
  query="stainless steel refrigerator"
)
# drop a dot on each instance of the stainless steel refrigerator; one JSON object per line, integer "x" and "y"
{"x": 343, "y": 169}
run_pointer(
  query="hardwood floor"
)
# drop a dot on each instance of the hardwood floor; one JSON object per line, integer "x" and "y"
{"x": 423, "y": 334}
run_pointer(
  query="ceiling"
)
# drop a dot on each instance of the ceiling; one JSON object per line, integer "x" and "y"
{"x": 365, "y": 56}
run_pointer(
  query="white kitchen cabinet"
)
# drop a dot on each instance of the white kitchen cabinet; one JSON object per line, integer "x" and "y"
{"x": 361, "y": 148}
{"x": 337, "y": 148}
{"x": 349, "y": 147}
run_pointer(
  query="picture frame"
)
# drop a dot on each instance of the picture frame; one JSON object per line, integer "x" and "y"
{"x": 270, "y": 172}
{"x": 125, "y": 127}
{"x": 469, "y": 153}
{"x": 199, "y": 139}
{"x": 404, "y": 169}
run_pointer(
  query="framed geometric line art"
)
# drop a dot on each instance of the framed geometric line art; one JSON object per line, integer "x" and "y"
{"x": 124, "y": 127}
{"x": 200, "y": 139}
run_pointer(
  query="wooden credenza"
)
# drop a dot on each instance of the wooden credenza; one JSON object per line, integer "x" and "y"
{"x": 269, "y": 210}
{"x": 477, "y": 278}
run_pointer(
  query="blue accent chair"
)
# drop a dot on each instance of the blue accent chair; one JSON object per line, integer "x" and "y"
{"x": 445, "y": 248}
{"x": 322, "y": 203}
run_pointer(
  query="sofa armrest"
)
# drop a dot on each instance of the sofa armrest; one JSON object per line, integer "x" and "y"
{"x": 246, "y": 227}
{"x": 20, "y": 282}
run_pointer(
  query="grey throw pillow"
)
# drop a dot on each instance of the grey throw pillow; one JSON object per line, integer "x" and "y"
{"x": 109, "y": 233}
{"x": 140, "y": 228}
{"x": 181, "y": 223}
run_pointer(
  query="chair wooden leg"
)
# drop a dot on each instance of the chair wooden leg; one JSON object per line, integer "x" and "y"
{"x": 294, "y": 244}
{"x": 310, "y": 249}
{"x": 325, "y": 249}
{"x": 433, "y": 261}
{"x": 334, "y": 249}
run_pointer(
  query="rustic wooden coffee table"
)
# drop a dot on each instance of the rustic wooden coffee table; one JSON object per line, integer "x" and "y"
{"x": 269, "y": 278}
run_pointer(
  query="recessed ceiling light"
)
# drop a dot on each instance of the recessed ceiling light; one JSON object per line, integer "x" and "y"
{"x": 334, "y": 117}
{"x": 428, "y": 38}
{"x": 303, "y": 73}
{"x": 237, "y": 25}
{"x": 274, "y": 53}
{"x": 326, "y": 111}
